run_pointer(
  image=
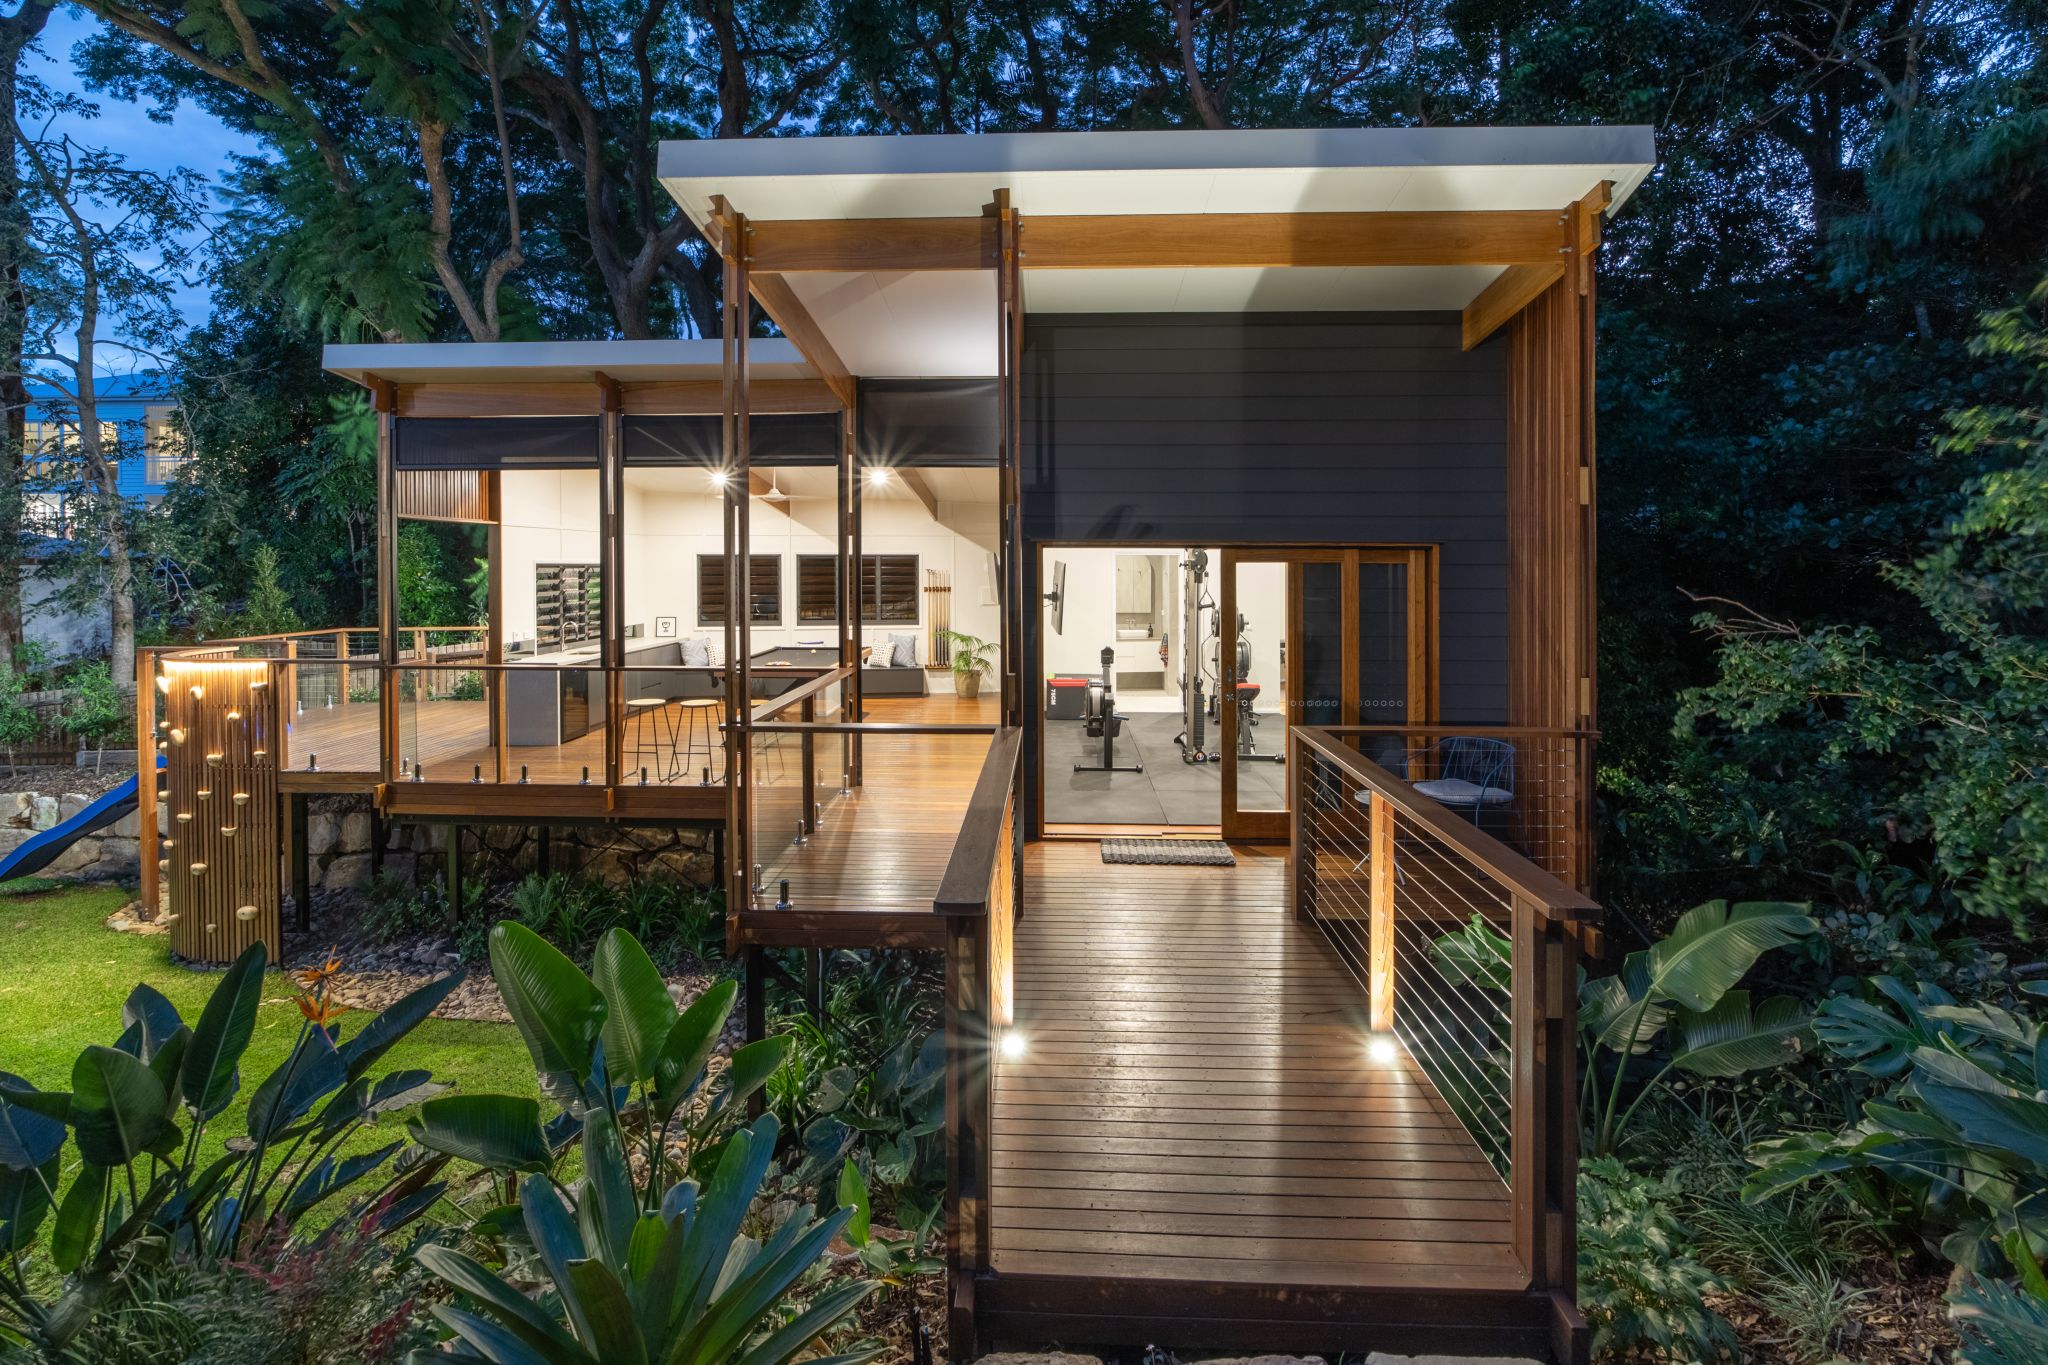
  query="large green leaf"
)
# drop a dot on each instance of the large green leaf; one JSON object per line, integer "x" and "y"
{"x": 402, "y": 1016}
{"x": 1613, "y": 1008}
{"x": 1875, "y": 1040}
{"x": 1713, "y": 945}
{"x": 559, "y": 1012}
{"x": 207, "y": 1079}
{"x": 1478, "y": 955}
{"x": 1728, "y": 1040}
{"x": 617, "y": 1340}
{"x": 498, "y": 1131}
{"x": 289, "y": 1093}
{"x": 24, "y": 1204}
{"x": 513, "y": 1310}
{"x": 153, "y": 1018}
{"x": 638, "y": 1012}
{"x": 2008, "y": 1123}
{"x": 117, "y": 1106}
{"x": 27, "y": 1138}
{"x": 784, "y": 1344}
{"x": 78, "y": 1218}
{"x": 606, "y": 1207}
{"x": 689, "y": 1045}
{"x": 487, "y": 1341}
{"x": 751, "y": 1067}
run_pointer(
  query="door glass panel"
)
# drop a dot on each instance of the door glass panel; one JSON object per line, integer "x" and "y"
{"x": 1252, "y": 676}
{"x": 1382, "y": 655}
{"x": 1321, "y": 644}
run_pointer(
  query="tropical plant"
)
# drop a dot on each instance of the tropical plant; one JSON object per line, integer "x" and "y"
{"x": 611, "y": 1044}
{"x": 1961, "y": 1132}
{"x": 671, "y": 1280}
{"x": 644, "y": 1266}
{"x": 1639, "y": 1285}
{"x": 972, "y": 656}
{"x": 140, "y": 1192}
{"x": 1997, "y": 1323}
{"x": 894, "y": 1261}
{"x": 1684, "y": 984}
{"x": 94, "y": 709}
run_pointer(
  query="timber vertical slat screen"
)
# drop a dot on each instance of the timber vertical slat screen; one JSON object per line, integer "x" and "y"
{"x": 220, "y": 851}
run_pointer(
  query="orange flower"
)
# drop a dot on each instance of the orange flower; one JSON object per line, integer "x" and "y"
{"x": 314, "y": 977}
{"x": 320, "y": 1010}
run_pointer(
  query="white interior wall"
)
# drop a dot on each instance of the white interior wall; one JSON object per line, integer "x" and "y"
{"x": 550, "y": 517}
{"x": 1090, "y": 617}
{"x": 672, "y": 517}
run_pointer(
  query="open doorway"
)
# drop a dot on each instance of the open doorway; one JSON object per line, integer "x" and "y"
{"x": 1171, "y": 675}
{"x": 1139, "y": 663}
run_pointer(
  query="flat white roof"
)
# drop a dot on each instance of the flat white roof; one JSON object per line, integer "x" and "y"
{"x": 484, "y": 362}
{"x": 942, "y": 323}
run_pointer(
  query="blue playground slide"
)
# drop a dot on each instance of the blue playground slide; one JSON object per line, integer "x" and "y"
{"x": 42, "y": 849}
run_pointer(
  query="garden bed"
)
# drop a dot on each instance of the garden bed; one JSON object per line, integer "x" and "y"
{"x": 56, "y": 779}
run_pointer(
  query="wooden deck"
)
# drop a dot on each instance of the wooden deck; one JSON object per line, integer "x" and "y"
{"x": 1196, "y": 1132}
{"x": 867, "y": 877}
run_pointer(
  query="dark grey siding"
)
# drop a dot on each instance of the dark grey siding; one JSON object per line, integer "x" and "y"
{"x": 1315, "y": 428}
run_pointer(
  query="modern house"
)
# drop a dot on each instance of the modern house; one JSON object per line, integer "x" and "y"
{"x": 1265, "y": 460}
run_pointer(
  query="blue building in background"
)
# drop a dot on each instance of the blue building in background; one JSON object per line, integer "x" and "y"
{"x": 137, "y": 415}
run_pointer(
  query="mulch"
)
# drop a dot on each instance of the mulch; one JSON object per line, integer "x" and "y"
{"x": 54, "y": 780}
{"x": 1903, "y": 1320}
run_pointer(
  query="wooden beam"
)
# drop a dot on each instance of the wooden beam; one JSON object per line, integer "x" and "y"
{"x": 1162, "y": 241}
{"x": 861, "y": 244}
{"x": 1516, "y": 288}
{"x": 921, "y": 490}
{"x": 780, "y": 302}
{"x": 704, "y": 397}
{"x": 1229, "y": 240}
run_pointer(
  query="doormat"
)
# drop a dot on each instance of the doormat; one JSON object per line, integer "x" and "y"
{"x": 1171, "y": 852}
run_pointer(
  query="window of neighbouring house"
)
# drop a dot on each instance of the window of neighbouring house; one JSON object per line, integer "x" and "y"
{"x": 765, "y": 595}
{"x": 166, "y": 446}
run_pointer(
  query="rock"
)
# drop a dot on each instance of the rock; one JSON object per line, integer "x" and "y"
{"x": 75, "y": 861}
{"x": 1266, "y": 1360}
{"x": 355, "y": 832}
{"x": 12, "y": 838}
{"x": 1382, "y": 1358}
{"x": 347, "y": 873}
{"x": 128, "y": 826}
{"x": 1038, "y": 1358}
{"x": 32, "y": 811}
{"x": 323, "y": 832}
{"x": 70, "y": 804}
{"x": 119, "y": 858}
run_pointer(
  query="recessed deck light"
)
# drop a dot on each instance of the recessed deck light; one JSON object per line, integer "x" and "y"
{"x": 1381, "y": 1047}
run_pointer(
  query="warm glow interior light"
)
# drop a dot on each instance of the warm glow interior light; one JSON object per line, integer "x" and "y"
{"x": 877, "y": 477}
{"x": 1382, "y": 1048}
{"x": 1014, "y": 1045}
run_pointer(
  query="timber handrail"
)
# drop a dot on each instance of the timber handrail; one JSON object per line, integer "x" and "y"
{"x": 1546, "y": 893}
{"x": 775, "y": 706}
{"x": 871, "y": 727}
{"x": 964, "y": 889}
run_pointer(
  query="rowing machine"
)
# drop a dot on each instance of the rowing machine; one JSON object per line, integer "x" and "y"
{"x": 1103, "y": 723}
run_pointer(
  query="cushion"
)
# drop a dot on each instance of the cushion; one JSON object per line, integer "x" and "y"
{"x": 1452, "y": 791}
{"x": 696, "y": 651}
{"x": 903, "y": 651}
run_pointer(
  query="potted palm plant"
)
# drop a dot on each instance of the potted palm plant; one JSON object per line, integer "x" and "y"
{"x": 972, "y": 657}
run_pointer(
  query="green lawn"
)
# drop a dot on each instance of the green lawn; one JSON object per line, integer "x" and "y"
{"x": 64, "y": 974}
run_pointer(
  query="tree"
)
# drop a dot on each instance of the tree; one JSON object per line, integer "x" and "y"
{"x": 266, "y": 610}
{"x": 17, "y": 31}
{"x": 109, "y": 241}
{"x": 18, "y": 723}
{"x": 96, "y": 710}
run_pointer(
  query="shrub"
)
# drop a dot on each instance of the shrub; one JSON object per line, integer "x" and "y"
{"x": 140, "y": 1191}
{"x": 1639, "y": 1285}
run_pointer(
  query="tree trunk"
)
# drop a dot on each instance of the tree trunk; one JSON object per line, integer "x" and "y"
{"x": 16, "y": 30}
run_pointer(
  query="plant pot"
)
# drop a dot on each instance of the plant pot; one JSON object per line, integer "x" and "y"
{"x": 967, "y": 685}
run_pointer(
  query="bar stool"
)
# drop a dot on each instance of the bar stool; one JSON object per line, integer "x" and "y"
{"x": 697, "y": 718}
{"x": 644, "y": 716}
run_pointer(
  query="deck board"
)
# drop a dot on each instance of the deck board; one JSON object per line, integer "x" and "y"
{"x": 1195, "y": 1102}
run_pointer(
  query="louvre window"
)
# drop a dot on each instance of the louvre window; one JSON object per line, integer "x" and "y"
{"x": 766, "y": 596}
{"x": 888, "y": 589}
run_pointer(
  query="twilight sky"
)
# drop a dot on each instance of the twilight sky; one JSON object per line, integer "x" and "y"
{"x": 195, "y": 139}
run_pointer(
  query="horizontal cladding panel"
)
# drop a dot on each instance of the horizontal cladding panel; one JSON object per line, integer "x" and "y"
{"x": 1082, "y": 383}
{"x": 495, "y": 442}
{"x": 1212, "y": 403}
{"x": 1231, "y": 360}
{"x": 1306, "y": 428}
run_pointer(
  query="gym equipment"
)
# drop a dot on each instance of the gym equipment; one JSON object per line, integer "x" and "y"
{"x": 1103, "y": 723}
{"x": 1194, "y": 701}
{"x": 1247, "y": 692}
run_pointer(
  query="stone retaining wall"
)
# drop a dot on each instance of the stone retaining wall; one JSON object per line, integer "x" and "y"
{"x": 338, "y": 836}
{"x": 338, "y": 845}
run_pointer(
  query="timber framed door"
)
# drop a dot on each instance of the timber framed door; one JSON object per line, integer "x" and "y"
{"x": 1348, "y": 637}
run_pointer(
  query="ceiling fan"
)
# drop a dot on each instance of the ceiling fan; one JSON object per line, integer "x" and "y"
{"x": 775, "y": 493}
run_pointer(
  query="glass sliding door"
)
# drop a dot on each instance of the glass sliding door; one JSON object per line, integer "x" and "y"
{"x": 1346, "y": 636}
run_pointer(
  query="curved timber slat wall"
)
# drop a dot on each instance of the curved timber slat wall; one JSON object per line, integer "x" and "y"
{"x": 219, "y": 848}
